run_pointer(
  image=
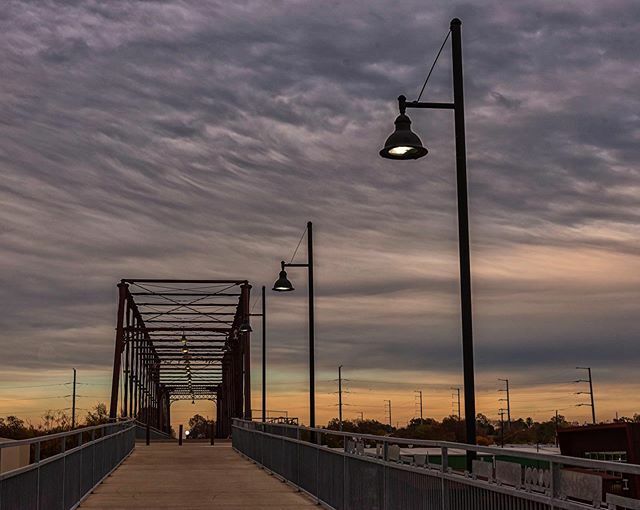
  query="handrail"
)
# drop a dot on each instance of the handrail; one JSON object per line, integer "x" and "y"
{"x": 602, "y": 465}
{"x": 60, "y": 435}
{"x": 80, "y": 461}
{"x": 151, "y": 427}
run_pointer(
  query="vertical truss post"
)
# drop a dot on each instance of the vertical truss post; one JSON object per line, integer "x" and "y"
{"x": 239, "y": 380}
{"x": 168, "y": 403}
{"x": 245, "y": 290}
{"x": 143, "y": 383}
{"x": 137, "y": 379}
{"x": 131, "y": 370}
{"x": 115, "y": 381}
{"x": 125, "y": 385}
{"x": 219, "y": 404}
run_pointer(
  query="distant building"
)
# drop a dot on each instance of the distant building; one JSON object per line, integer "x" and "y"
{"x": 617, "y": 442}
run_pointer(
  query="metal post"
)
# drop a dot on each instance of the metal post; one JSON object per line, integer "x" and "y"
{"x": 246, "y": 350}
{"x": 168, "y": 403}
{"x": 340, "y": 396}
{"x": 312, "y": 370}
{"x": 180, "y": 435}
{"x": 73, "y": 402}
{"x": 126, "y": 365}
{"x": 212, "y": 432}
{"x": 593, "y": 407}
{"x": 130, "y": 353}
{"x": 463, "y": 238}
{"x": 148, "y": 433}
{"x": 264, "y": 356}
{"x": 115, "y": 382}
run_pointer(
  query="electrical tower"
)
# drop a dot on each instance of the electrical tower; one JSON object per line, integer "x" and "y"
{"x": 453, "y": 396}
{"x": 387, "y": 410}
{"x": 418, "y": 396}
{"x": 507, "y": 400}
{"x": 590, "y": 392}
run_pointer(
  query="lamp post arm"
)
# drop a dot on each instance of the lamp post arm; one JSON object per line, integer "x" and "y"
{"x": 288, "y": 264}
{"x": 434, "y": 106}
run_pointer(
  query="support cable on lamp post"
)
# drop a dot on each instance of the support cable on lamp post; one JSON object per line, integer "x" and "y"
{"x": 404, "y": 144}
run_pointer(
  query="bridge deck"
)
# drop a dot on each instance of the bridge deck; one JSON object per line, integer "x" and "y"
{"x": 194, "y": 476}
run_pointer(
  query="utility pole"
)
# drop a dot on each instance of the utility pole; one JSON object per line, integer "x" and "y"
{"x": 590, "y": 392}
{"x": 502, "y": 427}
{"x": 388, "y": 409}
{"x": 340, "y": 396}
{"x": 361, "y": 415}
{"x": 73, "y": 404}
{"x": 507, "y": 400}
{"x": 556, "y": 427}
{"x": 264, "y": 356}
{"x": 419, "y": 395}
{"x": 458, "y": 391}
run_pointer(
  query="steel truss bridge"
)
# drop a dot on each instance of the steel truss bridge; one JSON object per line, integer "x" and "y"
{"x": 182, "y": 340}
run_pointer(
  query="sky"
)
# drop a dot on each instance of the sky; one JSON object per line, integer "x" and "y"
{"x": 191, "y": 139}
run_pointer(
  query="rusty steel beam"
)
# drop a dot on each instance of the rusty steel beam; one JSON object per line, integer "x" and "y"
{"x": 120, "y": 329}
{"x": 246, "y": 348}
{"x": 186, "y": 294}
{"x": 155, "y": 280}
{"x": 170, "y": 313}
{"x": 189, "y": 304}
{"x": 167, "y": 328}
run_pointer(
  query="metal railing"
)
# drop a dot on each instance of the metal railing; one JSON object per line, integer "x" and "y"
{"x": 154, "y": 433}
{"x": 64, "y": 468}
{"x": 373, "y": 472}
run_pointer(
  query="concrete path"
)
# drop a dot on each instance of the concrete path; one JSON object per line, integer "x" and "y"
{"x": 192, "y": 476}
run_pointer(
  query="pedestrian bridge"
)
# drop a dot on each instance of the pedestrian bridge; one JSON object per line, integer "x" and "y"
{"x": 195, "y": 476}
{"x": 285, "y": 466}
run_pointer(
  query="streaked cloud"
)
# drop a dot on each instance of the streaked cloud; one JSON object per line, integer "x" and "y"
{"x": 195, "y": 139}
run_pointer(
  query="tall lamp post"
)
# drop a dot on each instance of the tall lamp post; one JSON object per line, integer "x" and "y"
{"x": 404, "y": 144}
{"x": 283, "y": 284}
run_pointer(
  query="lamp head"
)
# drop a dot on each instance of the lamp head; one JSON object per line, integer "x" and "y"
{"x": 245, "y": 327}
{"x": 403, "y": 143}
{"x": 282, "y": 283}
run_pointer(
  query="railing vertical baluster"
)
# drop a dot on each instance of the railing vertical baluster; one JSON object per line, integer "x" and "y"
{"x": 37, "y": 460}
{"x": 93, "y": 457}
{"x": 318, "y": 439}
{"x": 64, "y": 466}
{"x": 554, "y": 472}
{"x": 444, "y": 465}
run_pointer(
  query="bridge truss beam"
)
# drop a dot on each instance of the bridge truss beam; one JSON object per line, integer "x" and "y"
{"x": 180, "y": 341}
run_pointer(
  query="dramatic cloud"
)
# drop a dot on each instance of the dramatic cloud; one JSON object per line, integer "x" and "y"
{"x": 195, "y": 139}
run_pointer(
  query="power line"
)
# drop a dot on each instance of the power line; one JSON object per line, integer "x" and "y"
{"x": 33, "y": 386}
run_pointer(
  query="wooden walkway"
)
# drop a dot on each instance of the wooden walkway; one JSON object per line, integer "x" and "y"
{"x": 192, "y": 476}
